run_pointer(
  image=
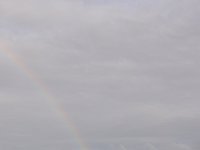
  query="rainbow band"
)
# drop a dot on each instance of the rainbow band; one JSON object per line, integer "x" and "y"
{"x": 59, "y": 110}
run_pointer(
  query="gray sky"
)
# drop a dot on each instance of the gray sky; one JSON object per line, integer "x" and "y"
{"x": 126, "y": 72}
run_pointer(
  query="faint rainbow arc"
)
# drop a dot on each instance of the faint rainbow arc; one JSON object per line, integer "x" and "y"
{"x": 42, "y": 86}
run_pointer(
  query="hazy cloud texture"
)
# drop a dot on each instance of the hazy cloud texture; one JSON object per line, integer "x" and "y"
{"x": 127, "y": 73}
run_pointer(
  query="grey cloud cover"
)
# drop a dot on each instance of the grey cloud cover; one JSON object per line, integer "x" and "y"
{"x": 127, "y": 72}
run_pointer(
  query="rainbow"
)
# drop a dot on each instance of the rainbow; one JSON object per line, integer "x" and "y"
{"x": 59, "y": 110}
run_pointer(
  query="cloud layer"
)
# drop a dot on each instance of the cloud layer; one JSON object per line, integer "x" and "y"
{"x": 125, "y": 72}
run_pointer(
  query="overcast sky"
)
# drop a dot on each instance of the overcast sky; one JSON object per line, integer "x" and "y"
{"x": 125, "y": 71}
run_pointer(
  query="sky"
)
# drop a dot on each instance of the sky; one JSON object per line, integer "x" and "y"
{"x": 99, "y": 74}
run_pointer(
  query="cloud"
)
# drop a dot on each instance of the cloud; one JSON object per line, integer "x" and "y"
{"x": 126, "y": 72}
